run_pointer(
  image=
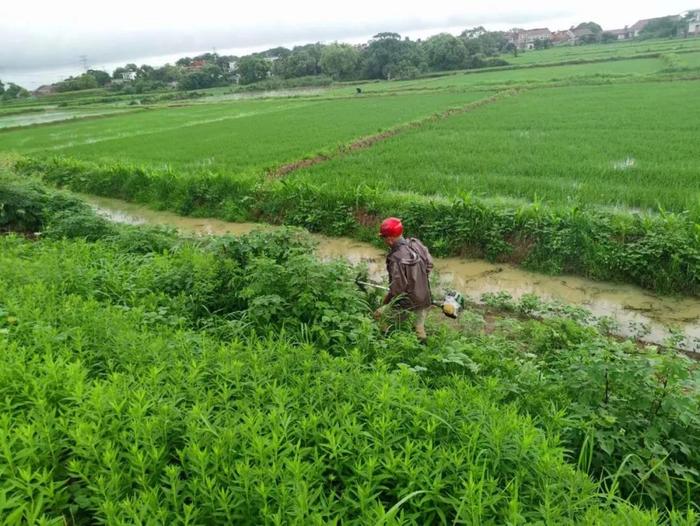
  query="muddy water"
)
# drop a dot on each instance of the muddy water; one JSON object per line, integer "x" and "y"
{"x": 281, "y": 93}
{"x": 629, "y": 306}
{"x": 28, "y": 119}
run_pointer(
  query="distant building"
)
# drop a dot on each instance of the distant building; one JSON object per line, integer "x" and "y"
{"x": 582, "y": 34}
{"x": 46, "y": 89}
{"x": 531, "y": 36}
{"x": 562, "y": 38}
{"x": 621, "y": 34}
{"x": 637, "y": 28}
{"x": 197, "y": 64}
{"x": 694, "y": 23}
{"x": 526, "y": 38}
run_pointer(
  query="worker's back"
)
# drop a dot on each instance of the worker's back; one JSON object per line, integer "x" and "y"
{"x": 409, "y": 264}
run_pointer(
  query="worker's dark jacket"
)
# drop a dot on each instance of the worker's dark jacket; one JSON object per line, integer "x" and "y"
{"x": 408, "y": 265}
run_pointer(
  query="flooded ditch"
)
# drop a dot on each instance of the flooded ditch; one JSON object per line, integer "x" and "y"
{"x": 630, "y": 307}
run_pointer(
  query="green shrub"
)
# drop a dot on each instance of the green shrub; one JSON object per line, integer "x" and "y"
{"x": 659, "y": 252}
{"x": 114, "y": 411}
{"x": 27, "y": 205}
{"x": 143, "y": 239}
{"x": 71, "y": 225}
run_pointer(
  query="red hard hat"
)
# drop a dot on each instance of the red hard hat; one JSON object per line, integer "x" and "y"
{"x": 391, "y": 227}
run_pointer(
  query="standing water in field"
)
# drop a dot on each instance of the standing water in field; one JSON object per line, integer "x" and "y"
{"x": 638, "y": 313}
{"x": 30, "y": 119}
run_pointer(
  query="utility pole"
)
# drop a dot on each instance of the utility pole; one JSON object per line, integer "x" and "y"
{"x": 84, "y": 61}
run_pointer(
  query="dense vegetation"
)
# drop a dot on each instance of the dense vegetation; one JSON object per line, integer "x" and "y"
{"x": 584, "y": 166}
{"x": 12, "y": 92}
{"x": 147, "y": 377}
{"x": 658, "y": 252}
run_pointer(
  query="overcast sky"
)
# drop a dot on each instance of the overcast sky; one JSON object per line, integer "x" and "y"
{"x": 43, "y": 40}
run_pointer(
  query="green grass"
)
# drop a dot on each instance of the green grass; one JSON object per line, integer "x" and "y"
{"x": 476, "y": 78}
{"x": 603, "y": 51}
{"x": 7, "y": 111}
{"x": 691, "y": 60}
{"x": 147, "y": 377}
{"x": 633, "y": 145}
{"x": 170, "y": 424}
{"x": 659, "y": 251}
{"x": 237, "y": 137}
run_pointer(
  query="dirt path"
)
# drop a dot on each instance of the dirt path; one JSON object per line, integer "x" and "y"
{"x": 370, "y": 140}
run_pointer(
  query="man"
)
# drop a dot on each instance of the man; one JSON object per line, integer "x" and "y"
{"x": 408, "y": 264}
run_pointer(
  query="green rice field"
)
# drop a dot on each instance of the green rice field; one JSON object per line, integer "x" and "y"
{"x": 234, "y": 136}
{"x": 506, "y": 77}
{"x": 604, "y": 51}
{"x": 631, "y": 144}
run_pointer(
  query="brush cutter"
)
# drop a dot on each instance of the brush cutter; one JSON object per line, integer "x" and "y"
{"x": 452, "y": 305}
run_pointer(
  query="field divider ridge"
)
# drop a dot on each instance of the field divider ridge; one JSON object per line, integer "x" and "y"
{"x": 369, "y": 140}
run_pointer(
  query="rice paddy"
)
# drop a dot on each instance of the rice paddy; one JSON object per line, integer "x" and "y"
{"x": 631, "y": 145}
{"x": 236, "y": 136}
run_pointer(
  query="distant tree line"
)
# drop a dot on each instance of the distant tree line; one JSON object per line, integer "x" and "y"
{"x": 12, "y": 91}
{"x": 385, "y": 56}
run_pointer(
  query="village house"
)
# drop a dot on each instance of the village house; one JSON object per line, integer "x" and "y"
{"x": 621, "y": 34}
{"x": 582, "y": 34}
{"x": 530, "y": 36}
{"x": 46, "y": 89}
{"x": 637, "y": 28}
{"x": 197, "y": 64}
{"x": 565, "y": 37}
{"x": 526, "y": 38}
{"x": 694, "y": 23}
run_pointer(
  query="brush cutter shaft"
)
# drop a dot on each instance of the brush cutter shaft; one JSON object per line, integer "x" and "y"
{"x": 370, "y": 284}
{"x": 451, "y": 306}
